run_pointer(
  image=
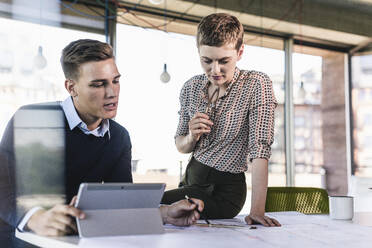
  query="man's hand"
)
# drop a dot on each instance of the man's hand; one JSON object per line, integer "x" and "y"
{"x": 199, "y": 125}
{"x": 261, "y": 219}
{"x": 57, "y": 221}
{"x": 181, "y": 213}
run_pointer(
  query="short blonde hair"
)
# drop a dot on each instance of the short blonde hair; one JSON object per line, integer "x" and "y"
{"x": 219, "y": 29}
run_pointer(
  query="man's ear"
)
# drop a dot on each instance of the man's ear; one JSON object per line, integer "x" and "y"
{"x": 70, "y": 86}
{"x": 240, "y": 52}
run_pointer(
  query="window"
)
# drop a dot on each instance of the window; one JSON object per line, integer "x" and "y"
{"x": 362, "y": 85}
{"x": 307, "y": 80}
{"x": 20, "y": 82}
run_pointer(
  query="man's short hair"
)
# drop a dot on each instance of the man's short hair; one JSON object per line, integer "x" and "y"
{"x": 219, "y": 29}
{"x": 81, "y": 51}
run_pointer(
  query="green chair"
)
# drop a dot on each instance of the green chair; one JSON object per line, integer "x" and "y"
{"x": 300, "y": 199}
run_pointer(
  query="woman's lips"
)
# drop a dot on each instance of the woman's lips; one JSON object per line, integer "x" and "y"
{"x": 217, "y": 77}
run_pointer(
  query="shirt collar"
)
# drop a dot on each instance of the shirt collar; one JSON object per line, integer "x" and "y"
{"x": 74, "y": 120}
{"x": 231, "y": 84}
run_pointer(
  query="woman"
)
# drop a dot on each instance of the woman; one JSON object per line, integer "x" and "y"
{"x": 226, "y": 119}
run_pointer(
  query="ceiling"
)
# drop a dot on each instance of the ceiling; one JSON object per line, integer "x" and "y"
{"x": 338, "y": 24}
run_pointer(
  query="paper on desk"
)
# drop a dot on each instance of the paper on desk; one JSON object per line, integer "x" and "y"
{"x": 240, "y": 222}
{"x": 283, "y": 217}
{"x": 227, "y": 222}
{"x": 220, "y": 223}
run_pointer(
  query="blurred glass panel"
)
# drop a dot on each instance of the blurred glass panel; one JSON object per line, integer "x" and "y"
{"x": 319, "y": 119}
{"x": 39, "y": 148}
{"x": 361, "y": 94}
{"x": 308, "y": 145}
{"x": 362, "y": 114}
{"x": 20, "y": 82}
{"x": 81, "y": 16}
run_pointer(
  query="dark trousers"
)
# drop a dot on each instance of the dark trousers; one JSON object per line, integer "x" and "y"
{"x": 223, "y": 193}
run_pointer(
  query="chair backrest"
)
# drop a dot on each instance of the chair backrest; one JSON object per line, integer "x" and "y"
{"x": 300, "y": 199}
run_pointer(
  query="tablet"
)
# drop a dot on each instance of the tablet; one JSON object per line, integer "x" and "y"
{"x": 119, "y": 209}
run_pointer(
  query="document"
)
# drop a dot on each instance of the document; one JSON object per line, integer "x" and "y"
{"x": 223, "y": 223}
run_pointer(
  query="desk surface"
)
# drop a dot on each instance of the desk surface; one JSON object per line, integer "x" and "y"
{"x": 297, "y": 230}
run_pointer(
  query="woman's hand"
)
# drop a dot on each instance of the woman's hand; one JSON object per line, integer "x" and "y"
{"x": 261, "y": 219}
{"x": 199, "y": 125}
{"x": 259, "y": 191}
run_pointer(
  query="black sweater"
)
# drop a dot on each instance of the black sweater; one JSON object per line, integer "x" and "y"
{"x": 96, "y": 159}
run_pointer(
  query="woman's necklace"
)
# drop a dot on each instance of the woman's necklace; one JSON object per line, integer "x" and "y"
{"x": 216, "y": 93}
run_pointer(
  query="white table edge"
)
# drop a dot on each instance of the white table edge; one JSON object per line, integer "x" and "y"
{"x": 42, "y": 241}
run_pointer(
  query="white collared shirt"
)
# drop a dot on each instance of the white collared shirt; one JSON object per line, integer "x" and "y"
{"x": 74, "y": 120}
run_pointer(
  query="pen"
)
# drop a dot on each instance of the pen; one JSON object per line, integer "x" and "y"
{"x": 197, "y": 210}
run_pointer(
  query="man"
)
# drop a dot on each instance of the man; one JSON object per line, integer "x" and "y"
{"x": 97, "y": 148}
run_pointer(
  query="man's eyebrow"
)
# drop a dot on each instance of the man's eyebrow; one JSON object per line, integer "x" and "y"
{"x": 227, "y": 57}
{"x": 103, "y": 80}
{"x": 98, "y": 80}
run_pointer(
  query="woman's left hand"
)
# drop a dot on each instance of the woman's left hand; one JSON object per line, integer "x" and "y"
{"x": 261, "y": 219}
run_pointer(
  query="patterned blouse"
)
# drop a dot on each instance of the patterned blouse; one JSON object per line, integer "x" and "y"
{"x": 243, "y": 120}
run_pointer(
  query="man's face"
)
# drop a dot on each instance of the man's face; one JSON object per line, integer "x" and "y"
{"x": 96, "y": 91}
{"x": 219, "y": 63}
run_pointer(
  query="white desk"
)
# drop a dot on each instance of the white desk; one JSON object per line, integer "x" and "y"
{"x": 297, "y": 230}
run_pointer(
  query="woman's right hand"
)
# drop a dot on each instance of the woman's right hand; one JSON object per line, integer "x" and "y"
{"x": 199, "y": 125}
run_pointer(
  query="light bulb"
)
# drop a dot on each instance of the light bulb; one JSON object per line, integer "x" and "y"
{"x": 39, "y": 60}
{"x": 165, "y": 77}
{"x": 302, "y": 93}
{"x": 156, "y": 2}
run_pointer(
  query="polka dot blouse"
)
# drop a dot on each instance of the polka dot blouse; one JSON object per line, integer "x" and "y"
{"x": 243, "y": 120}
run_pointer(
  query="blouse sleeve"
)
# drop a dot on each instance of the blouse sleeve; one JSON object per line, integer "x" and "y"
{"x": 184, "y": 117}
{"x": 261, "y": 118}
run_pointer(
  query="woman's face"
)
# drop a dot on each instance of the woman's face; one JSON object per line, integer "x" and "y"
{"x": 219, "y": 63}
